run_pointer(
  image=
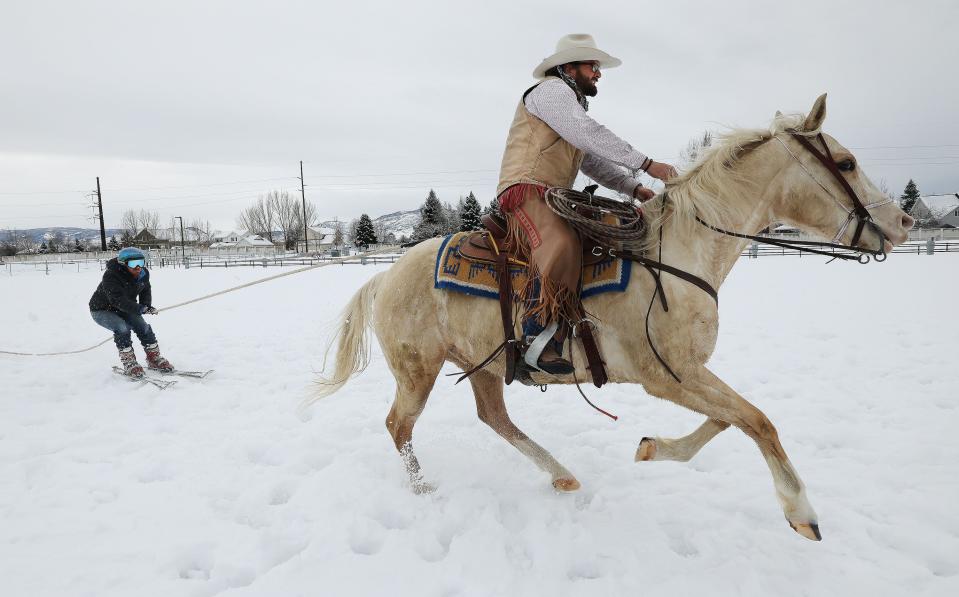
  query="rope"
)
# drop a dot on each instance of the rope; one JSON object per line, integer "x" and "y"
{"x": 202, "y": 298}
{"x": 585, "y": 212}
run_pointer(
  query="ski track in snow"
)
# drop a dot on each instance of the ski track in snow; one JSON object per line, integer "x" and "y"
{"x": 216, "y": 486}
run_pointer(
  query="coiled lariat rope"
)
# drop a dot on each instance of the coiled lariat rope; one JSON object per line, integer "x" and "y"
{"x": 203, "y": 298}
{"x": 590, "y": 215}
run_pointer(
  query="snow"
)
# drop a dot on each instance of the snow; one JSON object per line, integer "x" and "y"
{"x": 216, "y": 486}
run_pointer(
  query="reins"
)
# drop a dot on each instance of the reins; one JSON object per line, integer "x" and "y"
{"x": 859, "y": 212}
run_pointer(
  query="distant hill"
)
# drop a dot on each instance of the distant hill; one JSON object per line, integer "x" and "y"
{"x": 400, "y": 223}
{"x": 41, "y": 235}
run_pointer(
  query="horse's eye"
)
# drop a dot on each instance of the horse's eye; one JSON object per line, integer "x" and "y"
{"x": 846, "y": 165}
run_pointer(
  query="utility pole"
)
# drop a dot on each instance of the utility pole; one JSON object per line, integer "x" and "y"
{"x": 306, "y": 236}
{"x": 182, "y": 250}
{"x": 103, "y": 233}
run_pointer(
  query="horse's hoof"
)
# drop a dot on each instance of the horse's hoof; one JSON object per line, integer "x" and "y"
{"x": 565, "y": 484}
{"x": 646, "y": 449}
{"x": 809, "y": 531}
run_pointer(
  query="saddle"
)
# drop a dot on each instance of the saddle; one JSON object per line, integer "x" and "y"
{"x": 491, "y": 246}
{"x": 485, "y": 246}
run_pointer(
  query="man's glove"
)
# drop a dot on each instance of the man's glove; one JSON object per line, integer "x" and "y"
{"x": 147, "y": 310}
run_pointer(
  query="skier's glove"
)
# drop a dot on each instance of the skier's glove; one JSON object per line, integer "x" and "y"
{"x": 147, "y": 310}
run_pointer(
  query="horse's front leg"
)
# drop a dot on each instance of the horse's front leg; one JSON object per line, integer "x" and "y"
{"x": 683, "y": 448}
{"x": 707, "y": 394}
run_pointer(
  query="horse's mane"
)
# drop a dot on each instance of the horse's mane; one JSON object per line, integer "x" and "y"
{"x": 705, "y": 188}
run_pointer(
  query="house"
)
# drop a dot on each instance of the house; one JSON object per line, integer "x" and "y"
{"x": 940, "y": 209}
{"x": 152, "y": 238}
{"x": 244, "y": 242}
{"x": 225, "y": 241}
{"x": 163, "y": 238}
{"x": 321, "y": 239}
{"x": 252, "y": 241}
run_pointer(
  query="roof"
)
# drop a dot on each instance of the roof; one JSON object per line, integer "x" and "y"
{"x": 254, "y": 240}
{"x": 941, "y": 204}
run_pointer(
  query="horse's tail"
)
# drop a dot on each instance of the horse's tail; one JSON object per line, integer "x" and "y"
{"x": 353, "y": 348}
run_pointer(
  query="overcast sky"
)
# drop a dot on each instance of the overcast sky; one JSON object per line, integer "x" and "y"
{"x": 194, "y": 108}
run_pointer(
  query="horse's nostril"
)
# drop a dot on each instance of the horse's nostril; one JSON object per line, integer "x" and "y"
{"x": 908, "y": 222}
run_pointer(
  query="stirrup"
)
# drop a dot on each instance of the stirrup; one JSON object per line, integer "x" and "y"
{"x": 535, "y": 351}
{"x": 538, "y": 345}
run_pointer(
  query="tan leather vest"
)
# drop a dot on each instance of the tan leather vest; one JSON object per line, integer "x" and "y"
{"x": 536, "y": 154}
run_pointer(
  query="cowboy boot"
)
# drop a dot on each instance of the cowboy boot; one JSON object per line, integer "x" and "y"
{"x": 155, "y": 361}
{"x": 129, "y": 361}
{"x": 545, "y": 353}
{"x": 551, "y": 360}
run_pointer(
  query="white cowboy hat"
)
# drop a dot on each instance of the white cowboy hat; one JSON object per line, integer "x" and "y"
{"x": 576, "y": 47}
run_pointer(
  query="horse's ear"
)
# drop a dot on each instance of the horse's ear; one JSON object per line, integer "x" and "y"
{"x": 779, "y": 114}
{"x": 816, "y": 115}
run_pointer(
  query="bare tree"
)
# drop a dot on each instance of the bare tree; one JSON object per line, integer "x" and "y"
{"x": 379, "y": 228}
{"x": 338, "y": 234}
{"x": 132, "y": 222}
{"x": 289, "y": 216}
{"x": 353, "y": 226}
{"x": 148, "y": 219}
{"x": 258, "y": 219}
{"x": 129, "y": 222}
{"x": 201, "y": 230}
{"x": 695, "y": 148}
{"x": 56, "y": 243}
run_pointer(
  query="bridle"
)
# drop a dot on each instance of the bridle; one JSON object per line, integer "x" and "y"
{"x": 859, "y": 212}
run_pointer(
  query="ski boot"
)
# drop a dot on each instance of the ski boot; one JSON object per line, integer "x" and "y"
{"x": 155, "y": 361}
{"x": 129, "y": 361}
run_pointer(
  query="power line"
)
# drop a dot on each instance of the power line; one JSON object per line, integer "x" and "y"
{"x": 212, "y": 184}
{"x": 905, "y": 146}
{"x": 192, "y": 186}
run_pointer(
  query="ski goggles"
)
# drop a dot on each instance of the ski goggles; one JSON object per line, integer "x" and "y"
{"x": 134, "y": 263}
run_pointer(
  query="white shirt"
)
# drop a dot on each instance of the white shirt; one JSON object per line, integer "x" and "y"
{"x": 555, "y": 103}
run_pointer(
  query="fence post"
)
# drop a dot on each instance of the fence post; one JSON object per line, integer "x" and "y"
{"x": 930, "y": 246}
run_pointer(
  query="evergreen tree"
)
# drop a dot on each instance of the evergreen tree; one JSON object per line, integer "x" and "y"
{"x": 909, "y": 196}
{"x": 338, "y": 234}
{"x": 432, "y": 223}
{"x": 127, "y": 239}
{"x": 77, "y": 246}
{"x": 365, "y": 235}
{"x": 114, "y": 244}
{"x": 493, "y": 208}
{"x": 451, "y": 219}
{"x": 470, "y": 214}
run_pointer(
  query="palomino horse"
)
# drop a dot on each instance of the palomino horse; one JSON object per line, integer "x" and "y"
{"x": 749, "y": 180}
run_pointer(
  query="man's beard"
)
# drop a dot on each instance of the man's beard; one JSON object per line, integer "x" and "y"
{"x": 586, "y": 85}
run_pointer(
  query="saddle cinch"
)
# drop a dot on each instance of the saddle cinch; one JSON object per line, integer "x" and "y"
{"x": 490, "y": 246}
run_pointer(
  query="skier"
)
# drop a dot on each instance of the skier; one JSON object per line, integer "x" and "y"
{"x": 115, "y": 306}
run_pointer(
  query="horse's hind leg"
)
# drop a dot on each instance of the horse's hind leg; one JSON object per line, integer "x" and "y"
{"x": 683, "y": 448}
{"x": 415, "y": 376}
{"x": 707, "y": 394}
{"x": 491, "y": 409}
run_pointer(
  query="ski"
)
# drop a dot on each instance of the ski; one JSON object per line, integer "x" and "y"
{"x": 160, "y": 383}
{"x": 194, "y": 374}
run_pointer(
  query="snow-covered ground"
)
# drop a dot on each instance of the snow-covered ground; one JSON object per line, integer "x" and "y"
{"x": 216, "y": 486}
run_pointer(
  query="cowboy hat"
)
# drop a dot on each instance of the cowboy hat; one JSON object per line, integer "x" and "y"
{"x": 576, "y": 47}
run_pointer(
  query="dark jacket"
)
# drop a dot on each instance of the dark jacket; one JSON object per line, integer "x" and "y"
{"x": 118, "y": 291}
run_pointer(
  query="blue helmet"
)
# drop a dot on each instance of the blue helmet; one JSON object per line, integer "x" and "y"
{"x": 128, "y": 253}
